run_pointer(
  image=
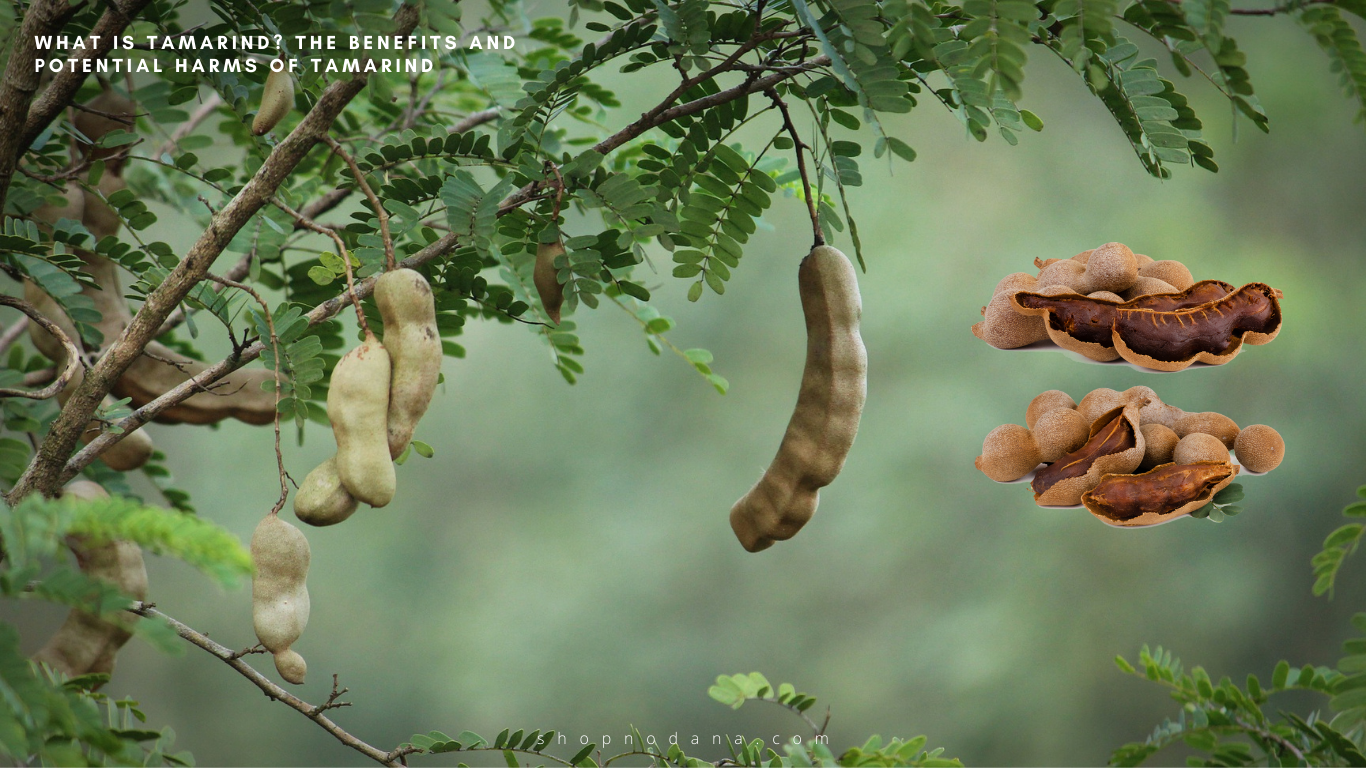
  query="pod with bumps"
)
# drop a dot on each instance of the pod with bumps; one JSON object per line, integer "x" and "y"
{"x": 279, "y": 593}
{"x": 322, "y": 499}
{"x": 547, "y": 279}
{"x": 1010, "y": 451}
{"x": 277, "y": 99}
{"x": 358, "y": 406}
{"x": 405, "y": 302}
{"x": 1197, "y": 447}
{"x": 829, "y": 405}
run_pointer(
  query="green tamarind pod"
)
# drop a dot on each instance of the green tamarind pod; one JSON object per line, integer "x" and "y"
{"x": 409, "y": 312}
{"x": 358, "y": 407}
{"x": 277, "y": 98}
{"x": 279, "y": 592}
{"x": 546, "y": 278}
{"x": 322, "y": 499}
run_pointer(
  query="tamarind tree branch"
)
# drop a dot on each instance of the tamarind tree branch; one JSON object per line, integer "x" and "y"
{"x": 270, "y": 689}
{"x": 73, "y": 353}
{"x": 42, "y": 474}
{"x": 800, "y": 148}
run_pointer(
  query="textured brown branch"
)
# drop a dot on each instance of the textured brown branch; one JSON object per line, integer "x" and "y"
{"x": 73, "y": 353}
{"x": 270, "y": 689}
{"x": 42, "y": 474}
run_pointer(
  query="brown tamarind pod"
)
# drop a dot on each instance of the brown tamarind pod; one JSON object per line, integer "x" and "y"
{"x": 546, "y": 277}
{"x": 277, "y": 99}
{"x": 410, "y": 337}
{"x": 1211, "y": 333}
{"x": 358, "y": 405}
{"x": 322, "y": 499}
{"x": 279, "y": 592}
{"x": 1044, "y": 402}
{"x": 1148, "y": 286}
{"x": 829, "y": 404}
{"x": 1009, "y": 452}
{"x": 1115, "y": 444}
{"x": 85, "y": 642}
{"x": 1158, "y": 495}
{"x": 1174, "y": 273}
{"x": 1159, "y": 442}
{"x": 1197, "y": 447}
{"x": 1085, "y": 325}
{"x": 111, "y": 111}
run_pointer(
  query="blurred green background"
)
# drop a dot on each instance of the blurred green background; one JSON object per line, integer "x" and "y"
{"x": 565, "y": 562}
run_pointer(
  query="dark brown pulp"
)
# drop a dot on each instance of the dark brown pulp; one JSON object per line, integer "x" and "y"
{"x": 1158, "y": 491}
{"x": 1179, "y": 335}
{"x": 1113, "y": 435}
{"x": 1092, "y": 320}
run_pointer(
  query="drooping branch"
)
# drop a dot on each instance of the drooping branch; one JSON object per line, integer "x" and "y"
{"x": 271, "y": 690}
{"x": 73, "y": 353}
{"x": 43, "y": 472}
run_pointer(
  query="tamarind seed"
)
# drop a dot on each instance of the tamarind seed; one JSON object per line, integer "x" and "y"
{"x": 410, "y": 337}
{"x": 277, "y": 99}
{"x": 1149, "y": 286}
{"x": 1159, "y": 441}
{"x": 1059, "y": 432}
{"x": 546, "y": 277}
{"x": 1045, "y": 402}
{"x": 1158, "y": 495}
{"x": 1009, "y": 452}
{"x": 279, "y": 592}
{"x": 1097, "y": 402}
{"x": 1171, "y": 272}
{"x": 1111, "y": 267}
{"x": 358, "y": 406}
{"x": 1198, "y": 446}
{"x": 829, "y": 405}
{"x": 1209, "y": 423}
{"x": 1260, "y": 448}
{"x": 322, "y": 499}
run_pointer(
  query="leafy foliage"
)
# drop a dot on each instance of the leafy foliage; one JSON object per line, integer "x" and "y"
{"x": 1223, "y": 505}
{"x": 1337, "y": 546}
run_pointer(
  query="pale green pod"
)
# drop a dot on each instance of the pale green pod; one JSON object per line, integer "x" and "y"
{"x": 546, "y": 278}
{"x": 409, "y": 311}
{"x": 358, "y": 407}
{"x": 322, "y": 499}
{"x": 279, "y": 592}
{"x": 277, "y": 99}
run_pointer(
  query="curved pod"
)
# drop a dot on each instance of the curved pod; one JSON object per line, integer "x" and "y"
{"x": 279, "y": 592}
{"x": 1211, "y": 333}
{"x": 358, "y": 406}
{"x": 547, "y": 279}
{"x": 1115, "y": 445}
{"x": 409, "y": 311}
{"x": 277, "y": 99}
{"x": 322, "y": 499}
{"x": 829, "y": 404}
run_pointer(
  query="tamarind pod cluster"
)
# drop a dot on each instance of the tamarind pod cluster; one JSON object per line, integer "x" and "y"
{"x": 358, "y": 406}
{"x": 322, "y": 499}
{"x": 1010, "y": 451}
{"x": 1115, "y": 444}
{"x": 546, "y": 277}
{"x": 1085, "y": 324}
{"x": 1210, "y": 333}
{"x": 829, "y": 405}
{"x": 279, "y": 592}
{"x": 85, "y": 642}
{"x": 277, "y": 99}
{"x": 410, "y": 337}
{"x": 1158, "y": 495}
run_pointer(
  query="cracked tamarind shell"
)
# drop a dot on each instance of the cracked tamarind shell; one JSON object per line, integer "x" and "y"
{"x": 279, "y": 592}
{"x": 1045, "y": 402}
{"x": 85, "y": 642}
{"x": 1009, "y": 452}
{"x": 1059, "y": 432}
{"x": 1161, "y": 494}
{"x": 322, "y": 499}
{"x": 410, "y": 337}
{"x": 546, "y": 276}
{"x": 825, "y": 420}
{"x": 1171, "y": 272}
{"x": 358, "y": 406}
{"x": 1198, "y": 446}
{"x": 1159, "y": 441}
{"x": 1260, "y": 448}
{"x": 1213, "y": 332}
{"x": 1115, "y": 444}
{"x": 277, "y": 99}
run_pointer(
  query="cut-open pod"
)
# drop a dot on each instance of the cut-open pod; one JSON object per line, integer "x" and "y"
{"x": 1159, "y": 495}
{"x": 1115, "y": 445}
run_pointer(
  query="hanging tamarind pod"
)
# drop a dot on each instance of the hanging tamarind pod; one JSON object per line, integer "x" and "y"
{"x": 322, "y": 499}
{"x": 826, "y": 418}
{"x": 546, "y": 277}
{"x": 406, "y": 304}
{"x": 358, "y": 405}
{"x": 279, "y": 592}
{"x": 85, "y": 642}
{"x": 277, "y": 99}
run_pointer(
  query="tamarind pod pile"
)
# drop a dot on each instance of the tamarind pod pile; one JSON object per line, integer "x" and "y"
{"x": 86, "y": 643}
{"x": 1158, "y": 495}
{"x": 829, "y": 404}
{"x": 279, "y": 592}
{"x": 1210, "y": 333}
{"x": 358, "y": 406}
{"x": 277, "y": 99}
{"x": 1115, "y": 445}
{"x": 546, "y": 277}
{"x": 322, "y": 499}
{"x": 405, "y": 302}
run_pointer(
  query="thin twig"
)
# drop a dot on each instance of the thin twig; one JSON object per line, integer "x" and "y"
{"x": 73, "y": 353}
{"x": 345, "y": 255}
{"x": 378, "y": 207}
{"x": 13, "y": 333}
{"x": 799, "y": 148}
{"x": 186, "y": 128}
